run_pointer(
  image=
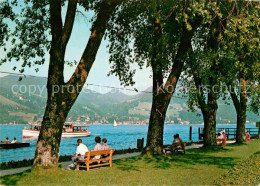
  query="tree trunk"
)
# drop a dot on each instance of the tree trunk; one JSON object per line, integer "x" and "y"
{"x": 209, "y": 110}
{"x": 57, "y": 109}
{"x": 61, "y": 95}
{"x": 241, "y": 121}
{"x": 156, "y": 126}
{"x": 162, "y": 94}
{"x": 156, "y": 122}
{"x": 47, "y": 149}
{"x": 209, "y": 117}
{"x": 241, "y": 112}
{"x": 210, "y": 129}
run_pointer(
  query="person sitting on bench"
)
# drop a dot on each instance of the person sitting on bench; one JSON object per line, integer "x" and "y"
{"x": 177, "y": 143}
{"x": 79, "y": 155}
{"x": 97, "y": 147}
{"x": 105, "y": 145}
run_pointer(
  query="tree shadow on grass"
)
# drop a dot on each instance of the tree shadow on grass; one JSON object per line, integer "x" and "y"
{"x": 14, "y": 178}
{"x": 237, "y": 144}
{"x": 161, "y": 162}
{"x": 204, "y": 159}
{"x": 128, "y": 164}
{"x": 213, "y": 149}
{"x": 202, "y": 156}
{"x": 256, "y": 153}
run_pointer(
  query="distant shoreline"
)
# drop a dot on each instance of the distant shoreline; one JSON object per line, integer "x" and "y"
{"x": 143, "y": 124}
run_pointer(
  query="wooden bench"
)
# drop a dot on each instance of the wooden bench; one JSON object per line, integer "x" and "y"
{"x": 89, "y": 162}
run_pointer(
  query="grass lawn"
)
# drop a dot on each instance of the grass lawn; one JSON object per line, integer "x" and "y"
{"x": 236, "y": 164}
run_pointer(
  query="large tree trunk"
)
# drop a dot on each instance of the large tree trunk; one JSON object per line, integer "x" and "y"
{"x": 210, "y": 121}
{"x": 157, "y": 116}
{"x": 47, "y": 149}
{"x": 209, "y": 110}
{"x": 240, "y": 106}
{"x": 241, "y": 121}
{"x": 61, "y": 95}
{"x": 241, "y": 112}
{"x": 156, "y": 125}
{"x": 162, "y": 94}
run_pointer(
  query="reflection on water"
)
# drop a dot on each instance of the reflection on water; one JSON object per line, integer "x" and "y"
{"x": 121, "y": 137}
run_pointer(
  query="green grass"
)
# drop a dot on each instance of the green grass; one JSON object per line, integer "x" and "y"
{"x": 246, "y": 172}
{"x": 205, "y": 166}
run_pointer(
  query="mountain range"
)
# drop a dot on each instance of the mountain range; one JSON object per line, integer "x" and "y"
{"x": 19, "y": 105}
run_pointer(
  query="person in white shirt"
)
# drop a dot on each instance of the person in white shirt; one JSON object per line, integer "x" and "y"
{"x": 14, "y": 140}
{"x": 80, "y": 153}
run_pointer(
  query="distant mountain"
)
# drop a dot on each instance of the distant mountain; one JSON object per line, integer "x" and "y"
{"x": 19, "y": 105}
{"x": 117, "y": 96}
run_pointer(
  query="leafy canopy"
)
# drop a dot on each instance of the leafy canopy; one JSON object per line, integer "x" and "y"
{"x": 132, "y": 33}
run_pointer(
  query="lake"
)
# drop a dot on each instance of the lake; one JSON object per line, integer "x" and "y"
{"x": 121, "y": 137}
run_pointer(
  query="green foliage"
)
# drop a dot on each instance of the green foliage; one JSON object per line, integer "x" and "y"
{"x": 6, "y": 13}
{"x": 29, "y": 34}
{"x": 134, "y": 39}
{"x": 224, "y": 49}
{"x": 25, "y": 33}
{"x": 239, "y": 51}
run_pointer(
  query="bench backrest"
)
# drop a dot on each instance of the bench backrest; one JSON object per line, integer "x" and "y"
{"x": 100, "y": 152}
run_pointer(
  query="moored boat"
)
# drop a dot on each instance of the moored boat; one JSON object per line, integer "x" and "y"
{"x": 4, "y": 145}
{"x": 70, "y": 130}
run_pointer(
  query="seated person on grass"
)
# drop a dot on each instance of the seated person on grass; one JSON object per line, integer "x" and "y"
{"x": 177, "y": 142}
{"x": 247, "y": 136}
{"x": 80, "y": 154}
{"x": 221, "y": 138}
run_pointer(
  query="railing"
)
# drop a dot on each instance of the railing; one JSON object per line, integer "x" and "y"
{"x": 231, "y": 132}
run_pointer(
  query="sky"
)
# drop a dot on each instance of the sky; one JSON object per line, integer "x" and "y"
{"x": 100, "y": 68}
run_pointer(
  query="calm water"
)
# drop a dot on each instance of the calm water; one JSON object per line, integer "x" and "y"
{"x": 122, "y": 137}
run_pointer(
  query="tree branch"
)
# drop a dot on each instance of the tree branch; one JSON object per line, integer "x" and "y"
{"x": 69, "y": 22}
{"x": 56, "y": 20}
{"x": 234, "y": 97}
{"x": 97, "y": 32}
{"x": 185, "y": 45}
{"x": 200, "y": 95}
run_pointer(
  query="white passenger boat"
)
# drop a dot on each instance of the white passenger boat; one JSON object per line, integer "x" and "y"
{"x": 70, "y": 130}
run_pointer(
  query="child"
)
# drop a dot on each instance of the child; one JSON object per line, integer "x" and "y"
{"x": 105, "y": 145}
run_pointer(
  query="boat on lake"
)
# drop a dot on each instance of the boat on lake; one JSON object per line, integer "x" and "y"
{"x": 70, "y": 130}
{"x": 115, "y": 124}
{"x": 5, "y": 145}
